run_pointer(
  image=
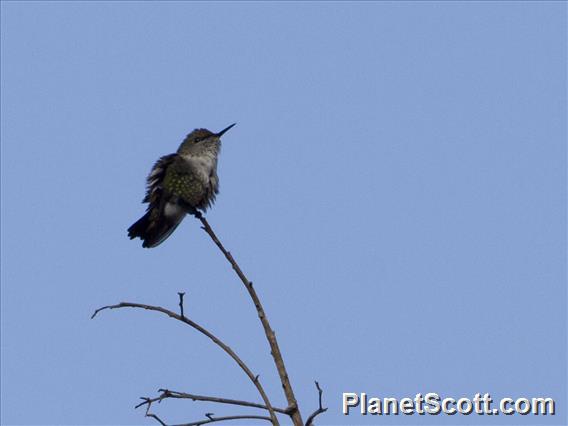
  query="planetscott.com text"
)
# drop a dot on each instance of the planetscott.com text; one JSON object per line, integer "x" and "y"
{"x": 434, "y": 404}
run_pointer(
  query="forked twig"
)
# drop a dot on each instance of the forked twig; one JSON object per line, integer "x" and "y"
{"x": 154, "y": 416}
{"x": 320, "y": 408}
{"x": 211, "y": 336}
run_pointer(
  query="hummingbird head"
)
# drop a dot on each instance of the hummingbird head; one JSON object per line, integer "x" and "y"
{"x": 202, "y": 141}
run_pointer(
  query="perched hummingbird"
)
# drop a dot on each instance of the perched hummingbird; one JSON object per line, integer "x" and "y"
{"x": 180, "y": 183}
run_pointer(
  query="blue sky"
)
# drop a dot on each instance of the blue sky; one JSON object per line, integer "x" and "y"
{"x": 395, "y": 188}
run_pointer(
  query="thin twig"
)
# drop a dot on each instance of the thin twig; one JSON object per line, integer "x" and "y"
{"x": 166, "y": 394}
{"x": 154, "y": 416}
{"x": 292, "y": 409}
{"x": 211, "y": 419}
{"x": 181, "y": 294}
{"x": 319, "y": 410}
{"x": 211, "y": 336}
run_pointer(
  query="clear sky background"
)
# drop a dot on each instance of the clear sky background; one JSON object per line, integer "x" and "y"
{"x": 395, "y": 188}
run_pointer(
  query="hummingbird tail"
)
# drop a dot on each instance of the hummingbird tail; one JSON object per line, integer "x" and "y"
{"x": 153, "y": 228}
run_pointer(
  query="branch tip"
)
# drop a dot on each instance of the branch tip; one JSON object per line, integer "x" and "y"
{"x": 144, "y": 402}
{"x": 181, "y": 294}
{"x": 97, "y": 311}
{"x": 320, "y": 409}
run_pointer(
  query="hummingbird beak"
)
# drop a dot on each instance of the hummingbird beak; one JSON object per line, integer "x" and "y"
{"x": 222, "y": 132}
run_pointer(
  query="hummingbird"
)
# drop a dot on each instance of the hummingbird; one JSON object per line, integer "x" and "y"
{"x": 185, "y": 182}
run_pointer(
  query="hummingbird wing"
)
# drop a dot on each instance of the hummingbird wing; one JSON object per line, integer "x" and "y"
{"x": 156, "y": 178}
{"x": 162, "y": 215}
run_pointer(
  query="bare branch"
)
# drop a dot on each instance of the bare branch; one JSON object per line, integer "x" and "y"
{"x": 211, "y": 419}
{"x": 169, "y": 394}
{"x": 212, "y": 337}
{"x": 293, "y": 410}
{"x": 319, "y": 410}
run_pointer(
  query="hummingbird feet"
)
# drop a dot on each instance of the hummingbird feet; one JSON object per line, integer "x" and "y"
{"x": 197, "y": 214}
{"x": 190, "y": 209}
